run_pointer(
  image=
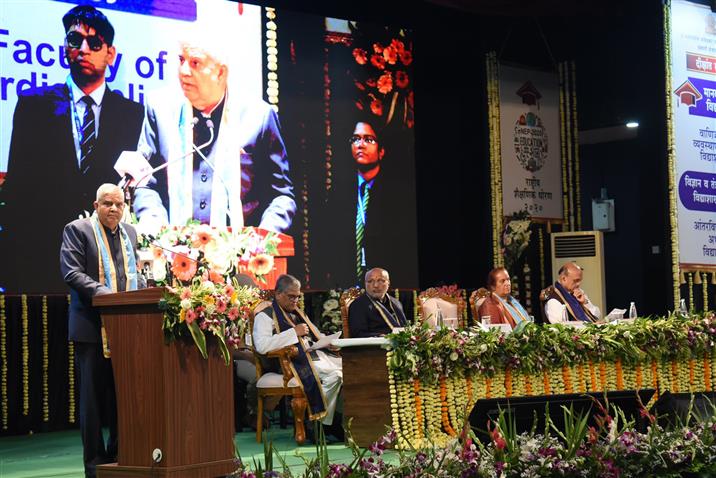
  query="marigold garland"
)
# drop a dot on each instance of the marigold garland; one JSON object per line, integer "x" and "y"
{"x": 3, "y": 362}
{"x": 540, "y": 234}
{"x": 575, "y": 140}
{"x": 493, "y": 107}
{"x": 690, "y": 285}
{"x": 705, "y": 290}
{"x": 707, "y": 373}
{"x": 563, "y": 148}
{"x": 25, "y": 358}
{"x": 45, "y": 363}
{"x": 671, "y": 154}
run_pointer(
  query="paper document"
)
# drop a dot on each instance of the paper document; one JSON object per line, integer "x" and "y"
{"x": 324, "y": 341}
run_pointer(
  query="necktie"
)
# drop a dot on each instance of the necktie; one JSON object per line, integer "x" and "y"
{"x": 88, "y": 137}
{"x": 361, "y": 211}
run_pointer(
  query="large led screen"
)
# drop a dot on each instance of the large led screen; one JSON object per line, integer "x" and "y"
{"x": 222, "y": 112}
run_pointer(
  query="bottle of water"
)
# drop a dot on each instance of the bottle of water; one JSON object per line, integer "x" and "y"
{"x": 683, "y": 311}
{"x": 440, "y": 322}
{"x": 632, "y": 311}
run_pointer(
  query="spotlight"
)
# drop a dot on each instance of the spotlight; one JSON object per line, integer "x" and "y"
{"x": 632, "y": 124}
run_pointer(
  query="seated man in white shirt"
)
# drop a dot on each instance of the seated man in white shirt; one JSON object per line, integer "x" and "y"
{"x": 565, "y": 300}
{"x": 320, "y": 372}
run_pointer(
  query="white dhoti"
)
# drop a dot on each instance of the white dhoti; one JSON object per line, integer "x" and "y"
{"x": 330, "y": 371}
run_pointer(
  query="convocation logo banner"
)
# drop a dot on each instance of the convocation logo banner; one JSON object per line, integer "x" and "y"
{"x": 529, "y": 132}
{"x": 693, "y": 69}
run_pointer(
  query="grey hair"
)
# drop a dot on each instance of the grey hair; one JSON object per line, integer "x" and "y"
{"x": 285, "y": 281}
{"x": 107, "y": 188}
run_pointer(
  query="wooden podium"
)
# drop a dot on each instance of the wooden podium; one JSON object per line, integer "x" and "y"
{"x": 169, "y": 398}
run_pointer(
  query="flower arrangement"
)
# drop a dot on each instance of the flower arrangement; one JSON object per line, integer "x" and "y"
{"x": 178, "y": 254}
{"x": 614, "y": 447}
{"x": 418, "y": 352}
{"x": 331, "y": 321}
{"x": 515, "y": 239}
{"x": 199, "y": 265}
{"x": 213, "y": 308}
{"x": 383, "y": 79}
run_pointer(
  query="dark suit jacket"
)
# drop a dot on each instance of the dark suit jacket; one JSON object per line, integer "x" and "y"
{"x": 390, "y": 232}
{"x": 79, "y": 263}
{"x": 44, "y": 187}
{"x": 365, "y": 321}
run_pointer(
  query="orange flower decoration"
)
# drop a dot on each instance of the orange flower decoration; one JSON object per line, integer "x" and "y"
{"x": 216, "y": 277}
{"x": 397, "y": 45}
{"x": 390, "y": 55}
{"x": 201, "y": 237}
{"x": 378, "y": 61}
{"x": 401, "y": 79}
{"x": 183, "y": 267}
{"x": 378, "y": 48}
{"x": 261, "y": 264}
{"x": 385, "y": 83}
{"x": 360, "y": 55}
{"x": 157, "y": 253}
{"x": 376, "y": 106}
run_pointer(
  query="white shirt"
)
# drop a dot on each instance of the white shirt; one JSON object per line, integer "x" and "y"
{"x": 265, "y": 340}
{"x": 78, "y": 108}
{"x": 557, "y": 312}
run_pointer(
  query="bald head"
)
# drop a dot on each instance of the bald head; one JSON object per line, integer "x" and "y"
{"x": 377, "y": 282}
{"x": 570, "y": 276}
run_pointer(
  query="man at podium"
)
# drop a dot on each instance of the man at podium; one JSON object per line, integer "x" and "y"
{"x": 97, "y": 256}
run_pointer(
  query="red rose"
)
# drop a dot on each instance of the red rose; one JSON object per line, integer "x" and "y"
{"x": 406, "y": 57}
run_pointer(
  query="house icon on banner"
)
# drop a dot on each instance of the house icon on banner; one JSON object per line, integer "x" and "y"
{"x": 688, "y": 94}
{"x": 529, "y": 94}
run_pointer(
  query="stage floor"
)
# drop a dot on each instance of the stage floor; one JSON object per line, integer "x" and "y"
{"x": 59, "y": 454}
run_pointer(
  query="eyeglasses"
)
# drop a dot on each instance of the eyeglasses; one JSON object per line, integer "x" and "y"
{"x": 367, "y": 139}
{"x": 292, "y": 297}
{"x": 75, "y": 39}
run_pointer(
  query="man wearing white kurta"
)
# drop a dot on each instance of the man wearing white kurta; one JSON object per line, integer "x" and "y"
{"x": 268, "y": 336}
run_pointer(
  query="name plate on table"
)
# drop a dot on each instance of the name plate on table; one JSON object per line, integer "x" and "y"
{"x": 577, "y": 324}
{"x": 371, "y": 341}
{"x": 504, "y": 328}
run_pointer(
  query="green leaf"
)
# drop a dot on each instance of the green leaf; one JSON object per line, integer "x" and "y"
{"x": 198, "y": 336}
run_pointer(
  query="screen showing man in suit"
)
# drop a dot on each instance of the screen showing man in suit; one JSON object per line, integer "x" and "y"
{"x": 247, "y": 111}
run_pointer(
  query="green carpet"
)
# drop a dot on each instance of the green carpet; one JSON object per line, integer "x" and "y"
{"x": 59, "y": 454}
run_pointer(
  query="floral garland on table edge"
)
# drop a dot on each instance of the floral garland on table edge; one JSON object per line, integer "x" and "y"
{"x": 443, "y": 372}
{"x": 199, "y": 264}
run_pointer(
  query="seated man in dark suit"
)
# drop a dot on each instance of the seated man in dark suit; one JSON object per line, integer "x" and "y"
{"x": 375, "y": 313}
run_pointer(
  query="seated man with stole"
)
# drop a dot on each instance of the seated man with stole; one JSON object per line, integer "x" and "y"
{"x": 565, "y": 301}
{"x": 320, "y": 372}
{"x": 499, "y": 305}
{"x": 375, "y": 313}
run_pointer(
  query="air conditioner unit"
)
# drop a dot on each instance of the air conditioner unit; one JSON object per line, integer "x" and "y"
{"x": 586, "y": 248}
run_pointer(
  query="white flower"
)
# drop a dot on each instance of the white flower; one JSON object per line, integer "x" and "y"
{"x": 219, "y": 256}
{"x": 330, "y": 304}
{"x": 185, "y": 304}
